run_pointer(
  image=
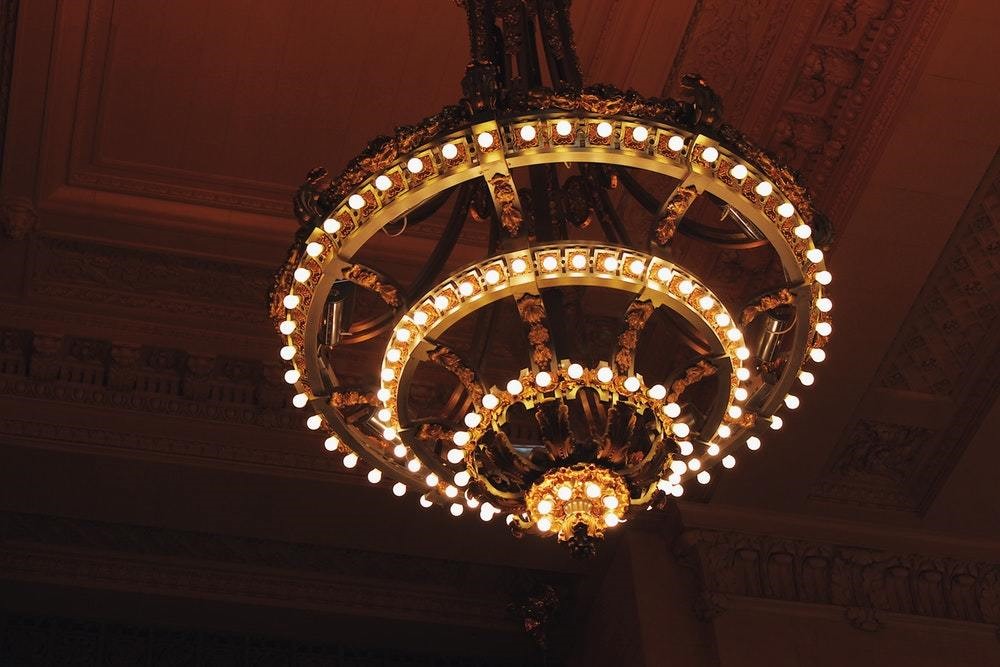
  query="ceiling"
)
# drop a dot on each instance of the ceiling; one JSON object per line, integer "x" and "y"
{"x": 151, "y": 153}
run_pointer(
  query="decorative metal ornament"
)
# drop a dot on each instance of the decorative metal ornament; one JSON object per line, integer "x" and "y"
{"x": 609, "y": 439}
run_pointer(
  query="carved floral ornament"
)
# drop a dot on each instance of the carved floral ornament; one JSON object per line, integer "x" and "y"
{"x": 642, "y": 441}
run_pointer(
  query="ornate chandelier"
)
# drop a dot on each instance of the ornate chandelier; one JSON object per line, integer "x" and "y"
{"x": 564, "y": 431}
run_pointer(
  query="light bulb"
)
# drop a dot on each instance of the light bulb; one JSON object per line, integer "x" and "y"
{"x": 415, "y": 165}
{"x": 383, "y": 183}
{"x": 803, "y": 231}
{"x": 384, "y": 415}
{"x": 636, "y": 267}
{"x": 824, "y": 277}
{"x": 515, "y": 387}
{"x": 431, "y": 480}
{"x": 543, "y": 379}
{"x": 742, "y": 374}
{"x": 685, "y": 287}
{"x": 592, "y": 490}
{"x": 399, "y": 489}
{"x": 664, "y": 274}
{"x": 575, "y": 371}
{"x": 710, "y": 154}
{"x": 814, "y": 255}
{"x": 610, "y": 502}
{"x": 681, "y": 429}
{"x": 724, "y": 431}
{"x": 712, "y": 449}
{"x": 611, "y": 520}
{"x": 564, "y": 493}
{"x": 462, "y": 477}
{"x": 424, "y": 502}
{"x": 473, "y": 419}
{"x": 450, "y": 491}
{"x": 331, "y": 225}
{"x": 742, "y": 353}
{"x": 300, "y": 400}
{"x": 287, "y": 327}
{"x": 604, "y": 129}
{"x": 455, "y": 455}
{"x": 791, "y": 401}
{"x": 492, "y": 276}
{"x": 706, "y": 302}
{"x": 302, "y": 274}
{"x": 674, "y": 478}
{"x": 486, "y": 511}
{"x": 357, "y": 202}
{"x": 675, "y": 143}
{"x": 351, "y": 460}
{"x": 677, "y": 491}
{"x": 605, "y": 374}
{"x": 578, "y": 262}
{"x": 753, "y": 443}
{"x": 704, "y": 477}
{"x": 383, "y": 394}
{"x": 735, "y": 411}
{"x": 776, "y": 422}
{"x": 550, "y": 263}
{"x": 471, "y": 501}
{"x": 729, "y": 461}
{"x": 388, "y": 374}
{"x": 292, "y": 376}
{"x": 485, "y": 139}
{"x": 465, "y": 288}
{"x": 331, "y": 443}
{"x": 657, "y": 392}
{"x": 399, "y": 451}
{"x": 817, "y": 354}
{"x": 389, "y": 433}
{"x": 291, "y": 301}
{"x": 314, "y": 249}
{"x": 420, "y": 318}
{"x": 694, "y": 464}
{"x": 664, "y": 485}
{"x": 403, "y": 335}
{"x": 527, "y": 133}
{"x": 413, "y": 465}
{"x": 672, "y": 410}
{"x": 490, "y": 401}
{"x": 374, "y": 475}
{"x": 824, "y": 305}
{"x": 678, "y": 467}
{"x": 631, "y": 384}
{"x": 456, "y": 509}
{"x": 563, "y": 128}
{"x": 824, "y": 328}
{"x": 544, "y": 506}
{"x": 686, "y": 447}
{"x": 393, "y": 355}
{"x": 640, "y": 134}
{"x": 545, "y": 524}
{"x": 610, "y": 264}
{"x": 806, "y": 378}
{"x": 734, "y": 334}
{"x": 764, "y": 189}
{"x": 450, "y": 151}
{"x": 287, "y": 352}
{"x": 739, "y": 172}
{"x": 518, "y": 265}
{"x": 740, "y": 394}
{"x": 786, "y": 210}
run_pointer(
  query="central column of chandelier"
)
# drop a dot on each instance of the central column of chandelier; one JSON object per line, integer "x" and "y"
{"x": 572, "y": 438}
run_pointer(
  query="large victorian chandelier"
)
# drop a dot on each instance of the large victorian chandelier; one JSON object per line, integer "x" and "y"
{"x": 491, "y": 387}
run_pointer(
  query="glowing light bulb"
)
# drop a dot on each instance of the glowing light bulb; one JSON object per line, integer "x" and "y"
{"x": 450, "y": 491}
{"x": 314, "y": 249}
{"x": 734, "y": 334}
{"x": 291, "y": 301}
{"x": 791, "y": 401}
{"x": 724, "y": 431}
{"x": 424, "y": 502}
{"x": 389, "y": 433}
{"x": 545, "y": 524}
{"x": 563, "y": 128}
{"x": 681, "y": 429}
{"x": 486, "y": 511}
{"x": 605, "y": 374}
{"x": 824, "y": 277}
{"x": 490, "y": 401}
{"x": 640, "y": 134}
{"x": 528, "y": 133}
{"x": 543, "y": 379}
{"x": 706, "y": 302}
{"x": 415, "y": 165}
{"x": 441, "y": 302}
{"x": 403, "y": 335}
{"x": 399, "y": 489}
{"x": 764, "y": 189}
{"x": 383, "y": 183}
{"x": 485, "y": 139}
{"x": 611, "y": 520}
{"x": 331, "y": 225}
{"x": 776, "y": 422}
{"x": 473, "y": 419}
{"x": 492, "y": 276}
{"x": 710, "y": 154}
{"x": 456, "y": 509}
{"x": 636, "y": 267}
{"x": 374, "y": 475}
{"x": 287, "y": 352}
{"x": 818, "y": 355}
{"x": 678, "y": 467}
{"x": 712, "y": 450}
{"x": 450, "y": 151}
{"x": 431, "y": 480}
{"x": 383, "y": 394}
{"x": 550, "y": 263}
{"x": 739, "y": 172}
{"x": 357, "y": 202}
{"x": 685, "y": 287}
{"x": 610, "y": 264}
{"x": 824, "y": 305}
{"x": 461, "y": 438}
{"x": 287, "y": 327}
{"x": 631, "y": 384}
{"x": 694, "y": 465}
{"x": 729, "y": 461}
{"x": 610, "y": 502}
{"x": 664, "y": 274}
{"x": 466, "y": 288}
{"x": 302, "y": 274}
{"x": 350, "y": 460}
{"x": 592, "y": 490}
{"x": 384, "y": 415}
{"x": 722, "y": 319}
{"x": 674, "y": 478}
{"x": 604, "y": 129}
{"x": 786, "y": 210}
{"x": 393, "y": 355}
{"x": 672, "y": 410}
{"x": 741, "y": 394}
{"x": 742, "y": 353}
{"x": 803, "y": 231}
{"x": 578, "y": 261}
{"x": 518, "y": 265}
{"x": 515, "y": 387}
{"x": 814, "y": 255}
{"x": 399, "y": 451}
{"x": 753, "y": 443}
{"x": 331, "y": 443}
{"x": 677, "y": 491}
{"x": 657, "y": 392}
{"x": 742, "y": 374}
{"x": 675, "y": 143}
{"x": 292, "y": 376}
{"x": 735, "y": 411}
{"x": 413, "y": 465}
{"x": 564, "y": 493}
{"x": 824, "y": 328}
{"x": 704, "y": 477}
{"x": 575, "y": 371}
{"x": 544, "y": 506}
{"x": 806, "y": 378}
{"x": 420, "y": 318}
{"x": 686, "y": 447}
{"x": 462, "y": 477}
{"x": 388, "y": 374}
